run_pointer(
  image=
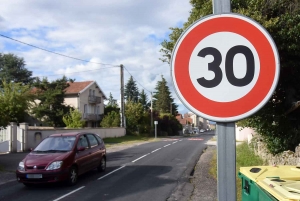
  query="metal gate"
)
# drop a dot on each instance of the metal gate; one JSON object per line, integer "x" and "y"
{"x": 5, "y": 141}
{"x": 20, "y": 139}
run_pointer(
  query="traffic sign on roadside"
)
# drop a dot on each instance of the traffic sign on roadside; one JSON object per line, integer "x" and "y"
{"x": 225, "y": 67}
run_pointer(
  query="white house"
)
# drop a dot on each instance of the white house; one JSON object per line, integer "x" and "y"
{"x": 88, "y": 98}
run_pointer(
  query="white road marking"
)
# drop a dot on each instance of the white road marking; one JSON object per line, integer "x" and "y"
{"x": 167, "y": 145}
{"x": 69, "y": 193}
{"x": 112, "y": 172}
{"x": 140, "y": 158}
{"x": 174, "y": 142}
{"x": 155, "y": 150}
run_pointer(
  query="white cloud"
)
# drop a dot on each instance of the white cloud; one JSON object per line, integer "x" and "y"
{"x": 116, "y": 32}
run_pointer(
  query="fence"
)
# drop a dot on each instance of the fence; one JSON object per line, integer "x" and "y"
{"x": 15, "y": 139}
{"x": 4, "y": 134}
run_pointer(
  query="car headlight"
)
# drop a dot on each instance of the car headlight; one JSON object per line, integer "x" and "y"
{"x": 21, "y": 166}
{"x": 55, "y": 165}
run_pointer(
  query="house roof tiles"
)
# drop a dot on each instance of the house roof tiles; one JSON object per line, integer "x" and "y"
{"x": 76, "y": 87}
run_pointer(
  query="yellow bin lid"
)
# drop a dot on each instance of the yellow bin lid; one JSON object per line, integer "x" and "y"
{"x": 283, "y": 182}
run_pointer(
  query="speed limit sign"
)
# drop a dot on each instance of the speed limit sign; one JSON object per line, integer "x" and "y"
{"x": 225, "y": 67}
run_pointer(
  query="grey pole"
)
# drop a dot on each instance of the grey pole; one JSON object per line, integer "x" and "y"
{"x": 155, "y": 131}
{"x": 226, "y": 139}
{"x": 151, "y": 113}
{"x": 226, "y": 161}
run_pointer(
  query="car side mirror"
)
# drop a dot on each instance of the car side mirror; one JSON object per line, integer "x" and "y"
{"x": 80, "y": 148}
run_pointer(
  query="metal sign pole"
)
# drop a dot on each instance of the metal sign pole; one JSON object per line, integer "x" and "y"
{"x": 155, "y": 131}
{"x": 226, "y": 139}
{"x": 226, "y": 161}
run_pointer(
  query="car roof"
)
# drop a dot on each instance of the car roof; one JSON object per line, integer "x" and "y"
{"x": 66, "y": 134}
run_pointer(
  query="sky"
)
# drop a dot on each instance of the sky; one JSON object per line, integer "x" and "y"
{"x": 105, "y": 33}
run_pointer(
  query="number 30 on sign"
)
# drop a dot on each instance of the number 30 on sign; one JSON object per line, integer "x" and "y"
{"x": 225, "y": 67}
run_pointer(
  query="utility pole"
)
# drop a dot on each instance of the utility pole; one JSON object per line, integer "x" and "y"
{"x": 122, "y": 95}
{"x": 151, "y": 112}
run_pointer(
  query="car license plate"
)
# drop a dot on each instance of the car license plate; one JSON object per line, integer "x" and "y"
{"x": 34, "y": 176}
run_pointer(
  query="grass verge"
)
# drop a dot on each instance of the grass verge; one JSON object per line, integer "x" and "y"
{"x": 244, "y": 157}
{"x": 127, "y": 139}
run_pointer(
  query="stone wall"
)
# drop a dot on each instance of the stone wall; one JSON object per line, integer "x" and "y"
{"x": 284, "y": 158}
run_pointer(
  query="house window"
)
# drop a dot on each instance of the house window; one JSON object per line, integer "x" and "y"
{"x": 90, "y": 92}
{"x": 93, "y": 92}
{"x": 85, "y": 108}
{"x": 98, "y": 109}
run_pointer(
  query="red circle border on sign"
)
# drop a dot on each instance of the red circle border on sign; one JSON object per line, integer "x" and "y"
{"x": 250, "y": 101}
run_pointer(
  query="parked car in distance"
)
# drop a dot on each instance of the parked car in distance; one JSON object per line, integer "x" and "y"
{"x": 201, "y": 131}
{"x": 196, "y": 131}
{"x": 62, "y": 157}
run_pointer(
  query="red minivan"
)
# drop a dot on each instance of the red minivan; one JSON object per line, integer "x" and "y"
{"x": 62, "y": 157}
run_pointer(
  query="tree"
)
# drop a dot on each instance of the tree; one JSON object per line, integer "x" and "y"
{"x": 112, "y": 101}
{"x": 50, "y": 106}
{"x": 143, "y": 99}
{"x": 73, "y": 119}
{"x": 281, "y": 18}
{"x": 112, "y": 119}
{"x": 134, "y": 113}
{"x": 163, "y": 101}
{"x": 111, "y": 105}
{"x": 15, "y": 101}
{"x": 12, "y": 69}
{"x": 131, "y": 91}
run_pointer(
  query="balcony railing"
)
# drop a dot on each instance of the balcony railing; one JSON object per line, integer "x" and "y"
{"x": 94, "y": 99}
{"x": 92, "y": 117}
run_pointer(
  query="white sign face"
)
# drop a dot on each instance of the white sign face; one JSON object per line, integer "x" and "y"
{"x": 155, "y": 122}
{"x": 221, "y": 92}
{"x": 225, "y": 67}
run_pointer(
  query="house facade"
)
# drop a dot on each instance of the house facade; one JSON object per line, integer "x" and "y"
{"x": 200, "y": 122}
{"x": 192, "y": 120}
{"x": 88, "y": 98}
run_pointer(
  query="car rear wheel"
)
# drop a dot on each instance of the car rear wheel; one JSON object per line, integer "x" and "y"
{"x": 73, "y": 176}
{"x": 102, "y": 165}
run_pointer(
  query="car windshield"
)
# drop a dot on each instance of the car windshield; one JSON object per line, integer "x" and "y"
{"x": 56, "y": 144}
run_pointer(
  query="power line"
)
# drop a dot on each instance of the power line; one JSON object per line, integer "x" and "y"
{"x": 82, "y": 71}
{"x": 70, "y": 57}
{"x": 137, "y": 81}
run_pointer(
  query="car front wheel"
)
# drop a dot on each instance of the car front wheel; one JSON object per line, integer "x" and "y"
{"x": 102, "y": 165}
{"x": 73, "y": 176}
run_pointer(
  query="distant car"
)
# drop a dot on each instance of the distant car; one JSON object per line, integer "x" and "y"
{"x": 201, "y": 131}
{"x": 62, "y": 157}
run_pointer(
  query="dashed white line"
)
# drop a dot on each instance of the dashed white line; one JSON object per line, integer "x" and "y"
{"x": 111, "y": 172}
{"x": 140, "y": 158}
{"x": 155, "y": 150}
{"x": 68, "y": 194}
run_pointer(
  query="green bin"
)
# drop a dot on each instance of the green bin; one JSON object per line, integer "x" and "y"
{"x": 252, "y": 192}
{"x": 270, "y": 183}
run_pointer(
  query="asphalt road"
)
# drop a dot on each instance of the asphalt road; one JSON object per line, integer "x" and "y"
{"x": 150, "y": 171}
